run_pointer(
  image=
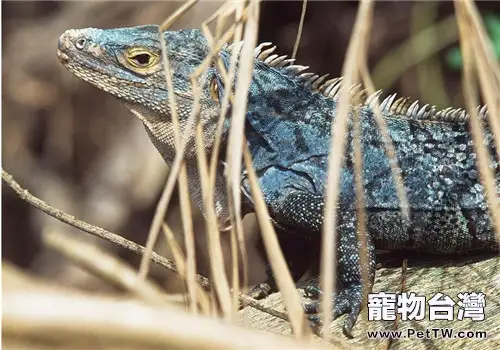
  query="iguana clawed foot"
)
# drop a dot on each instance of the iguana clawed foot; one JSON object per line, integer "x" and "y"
{"x": 347, "y": 301}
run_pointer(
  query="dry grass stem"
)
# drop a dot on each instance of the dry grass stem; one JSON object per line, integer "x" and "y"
{"x": 364, "y": 260}
{"x": 208, "y": 174}
{"x": 217, "y": 266}
{"x": 227, "y": 78}
{"x": 237, "y": 234}
{"x": 177, "y": 14}
{"x": 229, "y": 307}
{"x": 236, "y": 133}
{"x": 299, "y": 30}
{"x": 475, "y": 53}
{"x": 234, "y": 148}
{"x": 176, "y": 164}
{"x": 336, "y": 158}
{"x": 162, "y": 206}
{"x": 186, "y": 213}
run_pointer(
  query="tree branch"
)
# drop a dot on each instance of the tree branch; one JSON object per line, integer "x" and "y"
{"x": 119, "y": 240}
{"x": 92, "y": 229}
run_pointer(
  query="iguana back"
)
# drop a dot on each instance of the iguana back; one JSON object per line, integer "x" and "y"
{"x": 288, "y": 131}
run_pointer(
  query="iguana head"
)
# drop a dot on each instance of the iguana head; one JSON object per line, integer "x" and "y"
{"x": 128, "y": 64}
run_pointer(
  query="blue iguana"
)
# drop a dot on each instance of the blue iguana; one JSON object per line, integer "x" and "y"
{"x": 288, "y": 123}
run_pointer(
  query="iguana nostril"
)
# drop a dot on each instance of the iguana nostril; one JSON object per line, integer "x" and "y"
{"x": 61, "y": 43}
{"x": 80, "y": 43}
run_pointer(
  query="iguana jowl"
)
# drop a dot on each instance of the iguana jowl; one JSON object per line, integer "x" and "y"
{"x": 288, "y": 125}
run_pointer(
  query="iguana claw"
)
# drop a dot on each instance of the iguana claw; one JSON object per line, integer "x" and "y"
{"x": 348, "y": 301}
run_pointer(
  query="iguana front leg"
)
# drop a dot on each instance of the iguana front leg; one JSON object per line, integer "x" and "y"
{"x": 303, "y": 211}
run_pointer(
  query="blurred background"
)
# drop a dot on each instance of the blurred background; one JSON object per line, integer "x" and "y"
{"x": 83, "y": 152}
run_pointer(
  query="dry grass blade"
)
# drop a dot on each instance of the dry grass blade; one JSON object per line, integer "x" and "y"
{"x": 234, "y": 146}
{"x": 178, "y": 13}
{"x": 214, "y": 244}
{"x": 169, "y": 185}
{"x": 70, "y": 318}
{"x": 207, "y": 182}
{"x": 104, "y": 265}
{"x": 299, "y": 31}
{"x": 221, "y": 284}
{"x": 237, "y": 235}
{"x": 275, "y": 256}
{"x": 358, "y": 163}
{"x": 208, "y": 174}
{"x": 187, "y": 225}
{"x": 475, "y": 57}
{"x": 176, "y": 168}
{"x": 389, "y": 149}
{"x": 214, "y": 161}
{"x": 336, "y": 158}
{"x": 235, "y": 272}
{"x": 361, "y": 231}
{"x": 201, "y": 296}
{"x": 223, "y": 11}
{"x": 92, "y": 229}
{"x": 186, "y": 213}
{"x": 486, "y": 53}
{"x": 390, "y": 152}
{"x": 160, "y": 212}
{"x": 216, "y": 46}
{"x": 236, "y": 133}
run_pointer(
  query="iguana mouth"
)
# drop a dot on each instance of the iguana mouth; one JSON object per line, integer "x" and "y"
{"x": 62, "y": 57}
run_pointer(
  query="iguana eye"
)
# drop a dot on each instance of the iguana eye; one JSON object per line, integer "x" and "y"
{"x": 80, "y": 43}
{"x": 141, "y": 58}
{"x": 214, "y": 89}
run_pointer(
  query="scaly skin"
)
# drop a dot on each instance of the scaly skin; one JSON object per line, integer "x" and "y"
{"x": 127, "y": 64}
{"x": 288, "y": 125}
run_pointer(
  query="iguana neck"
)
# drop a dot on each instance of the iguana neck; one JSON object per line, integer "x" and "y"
{"x": 161, "y": 133}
